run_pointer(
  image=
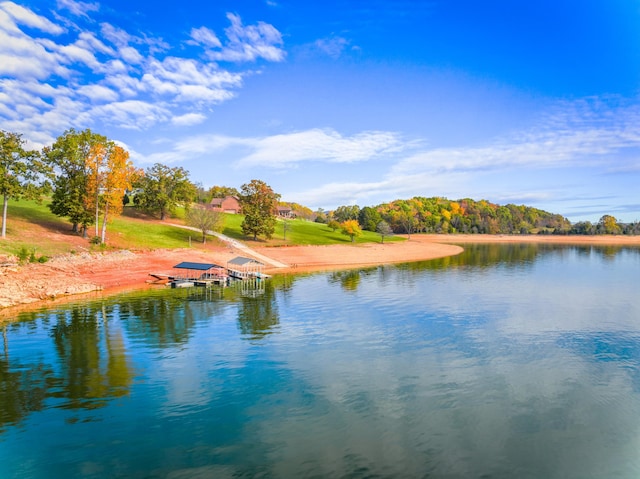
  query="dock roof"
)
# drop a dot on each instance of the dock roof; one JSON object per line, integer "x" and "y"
{"x": 241, "y": 261}
{"x": 197, "y": 266}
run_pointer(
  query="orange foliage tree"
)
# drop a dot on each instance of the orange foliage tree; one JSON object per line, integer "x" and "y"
{"x": 351, "y": 228}
{"x": 110, "y": 175}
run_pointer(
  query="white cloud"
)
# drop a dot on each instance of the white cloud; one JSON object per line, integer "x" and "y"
{"x": 132, "y": 114}
{"x": 188, "y": 119}
{"x": 332, "y": 47}
{"x": 24, "y": 16}
{"x": 204, "y": 36}
{"x": 248, "y": 43}
{"x": 579, "y": 133}
{"x": 74, "y": 53}
{"x": 98, "y": 93}
{"x": 130, "y": 55}
{"x": 78, "y": 8}
{"x": 284, "y": 150}
{"x": 115, "y": 35}
{"x": 26, "y": 57}
{"x": 108, "y": 76}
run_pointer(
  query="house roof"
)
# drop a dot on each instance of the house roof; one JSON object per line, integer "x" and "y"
{"x": 196, "y": 266}
{"x": 241, "y": 261}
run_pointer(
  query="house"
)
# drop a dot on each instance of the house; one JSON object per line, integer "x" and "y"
{"x": 285, "y": 212}
{"x": 228, "y": 204}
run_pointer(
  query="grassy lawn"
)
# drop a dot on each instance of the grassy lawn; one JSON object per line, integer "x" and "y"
{"x": 299, "y": 232}
{"x": 32, "y": 226}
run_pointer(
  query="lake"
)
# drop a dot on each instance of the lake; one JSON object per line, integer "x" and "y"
{"x": 507, "y": 361}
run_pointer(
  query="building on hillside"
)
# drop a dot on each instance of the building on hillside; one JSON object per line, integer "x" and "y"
{"x": 286, "y": 212}
{"x": 228, "y": 204}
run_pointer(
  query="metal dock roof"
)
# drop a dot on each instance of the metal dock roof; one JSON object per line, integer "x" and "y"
{"x": 241, "y": 261}
{"x": 197, "y": 266}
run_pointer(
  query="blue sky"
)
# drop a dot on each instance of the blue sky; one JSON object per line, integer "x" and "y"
{"x": 346, "y": 102}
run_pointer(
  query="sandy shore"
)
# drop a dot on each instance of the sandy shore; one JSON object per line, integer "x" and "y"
{"x": 109, "y": 273}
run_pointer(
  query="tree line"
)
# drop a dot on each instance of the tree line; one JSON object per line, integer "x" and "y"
{"x": 441, "y": 215}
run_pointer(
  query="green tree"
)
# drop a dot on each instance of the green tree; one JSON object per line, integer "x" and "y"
{"x": 222, "y": 192}
{"x": 205, "y": 219}
{"x": 68, "y": 157}
{"x": 369, "y": 218}
{"x": 22, "y": 174}
{"x": 259, "y": 206}
{"x": 383, "y": 230}
{"x": 162, "y": 189}
{"x": 334, "y": 225}
{"x": 344, "y": 213}
{"x": 351, "y": 228}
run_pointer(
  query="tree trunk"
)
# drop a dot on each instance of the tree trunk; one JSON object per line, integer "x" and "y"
{"x": 97, "y": 213}
{"x": 4, "y": 215}
{"x": 104, "y": 223}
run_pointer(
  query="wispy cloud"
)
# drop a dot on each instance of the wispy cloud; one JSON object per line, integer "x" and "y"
{"x": 131, "y": 80}
{"x": 323, "y": 145}
{"x": 15, "y": 15}
{"x": 80, "y": 9}
{"x": 578, "y": 133}
{"x": 332, "y": 47}
{"x": 248, "y": 43}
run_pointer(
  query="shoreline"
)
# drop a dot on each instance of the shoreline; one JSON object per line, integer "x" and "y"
{"x": 72, "y": 277}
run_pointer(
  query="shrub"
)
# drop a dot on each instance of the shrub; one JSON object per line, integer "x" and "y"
{"x": 23, "y": 254}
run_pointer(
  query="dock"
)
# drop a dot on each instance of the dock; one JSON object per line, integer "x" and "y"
{"x": 190, "y": 274}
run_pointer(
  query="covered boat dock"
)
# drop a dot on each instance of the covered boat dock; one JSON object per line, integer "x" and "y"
{"x": 198, "y": 274}
{"x": 246, "y": 268}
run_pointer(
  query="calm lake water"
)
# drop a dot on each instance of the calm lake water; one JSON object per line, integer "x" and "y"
{"x": 508, "y": 361}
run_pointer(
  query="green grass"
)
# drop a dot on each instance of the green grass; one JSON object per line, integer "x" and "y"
{"x": 300, "y": 232}
{"x": 150, "y": 235}
{"x": 32, "y": 226}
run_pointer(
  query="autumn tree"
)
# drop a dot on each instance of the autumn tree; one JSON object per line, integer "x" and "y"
{"x": 22, "y": 174}
{"x": 205, "y": 219}
{"x": 110, "y": 175}
{"x": 68, "y": 156}
{"x": 259, "y": 206}
{"x": 351, "y": 228}
{"x": 163, "y": 188}
{"x": 608, "y": 225}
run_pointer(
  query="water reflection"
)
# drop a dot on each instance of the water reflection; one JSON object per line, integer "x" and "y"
{"x": 258, "y": 316}
{"x": 93, "y": 362}
{"x": 514, "y": 362}
{"x": 23, "y": 387}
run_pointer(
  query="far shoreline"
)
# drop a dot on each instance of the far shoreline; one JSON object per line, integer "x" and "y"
{"x": 68, "y": 279}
